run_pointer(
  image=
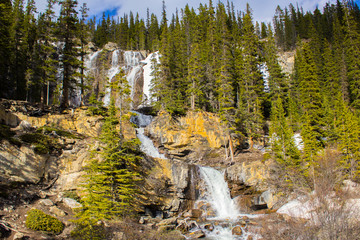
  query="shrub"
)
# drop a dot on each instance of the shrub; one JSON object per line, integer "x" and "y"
{"x": 39, "y": 221}
{"x": 43, "y": 144}
{"x": 62, "y": 133}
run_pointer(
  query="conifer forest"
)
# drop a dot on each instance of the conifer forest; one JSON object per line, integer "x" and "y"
{"x": 214, "y": 59}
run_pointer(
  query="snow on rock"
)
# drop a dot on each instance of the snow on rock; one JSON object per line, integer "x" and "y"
{"x": 297, "y": 209}
{"x": 298, "y": 141}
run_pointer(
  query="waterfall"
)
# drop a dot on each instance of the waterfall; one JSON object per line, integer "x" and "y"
{"x": 218, "y": 194}
{"x": 111, "y": 74}
{"x": 148, "y": 68}
{"x": 147, "y": 146}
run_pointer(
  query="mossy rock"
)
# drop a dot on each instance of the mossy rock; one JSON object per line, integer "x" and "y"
{"x": 39, "y": 221}
{"x": 43, "y": 143}
{"x": 60, "y": 132}
{"x": 5, "y": 132}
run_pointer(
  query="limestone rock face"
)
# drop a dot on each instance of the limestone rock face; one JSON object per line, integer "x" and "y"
{"x": 196, "y": 132}
{"x": 251, "y": 174}
{"x": 22, "y": 164}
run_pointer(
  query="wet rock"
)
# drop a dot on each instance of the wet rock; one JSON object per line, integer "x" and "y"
{"x": 209, "y": 227}
{"x": 265, "y": 200}
{"x": 46, "y": 202}
{"x": 195, "y": 213}
{"x": 237, "y": 231}
{"x": 197, "y": 234}
{"x": 71, "y": 203}
{"x": 244, "y": 203}
{"x": 57, "y": 211}
{"x": 185, "y": 226}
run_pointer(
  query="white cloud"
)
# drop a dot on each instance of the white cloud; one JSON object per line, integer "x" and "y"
{"x": 263, "y": 10}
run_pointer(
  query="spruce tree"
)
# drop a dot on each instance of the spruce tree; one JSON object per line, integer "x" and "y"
{"x": 67, "y": 32}
{"x": 5, "y": 46}
{"x": 109, "y": 185}
{"x": 282, "y": 143}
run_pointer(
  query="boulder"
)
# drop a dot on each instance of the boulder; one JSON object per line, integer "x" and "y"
{"x": 19, "y": 236}
{"x": 57, "y": 211}
{"x": 196, "y": 234}
{"x": 71, "y": 203}
{"x": 266, "y": 199}
{"x": 237, "y": 231}
{"x": 110, "y": 46}
{"x": 169, "y": 221}
{"x": 210, "y": 227}
{"x": 46, "y": 202}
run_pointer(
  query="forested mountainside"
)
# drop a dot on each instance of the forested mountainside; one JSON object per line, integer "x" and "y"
{"x": 218, "y": 90}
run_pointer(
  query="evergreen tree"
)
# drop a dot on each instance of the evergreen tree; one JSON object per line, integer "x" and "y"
{"x": 109, "y": 187}
{"x": 352, "y": 43}
{"x": 348, "y": 132}
{"x": 47, "y": 53}
{"x": 83, "y": 35}
{"x": 5, "y": 47}
{"x": 68, "y": 31}
{"x": 282, "y": 142}
{"x": 17, "y": 59}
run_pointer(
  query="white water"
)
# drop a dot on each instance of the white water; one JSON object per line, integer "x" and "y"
{"x": 148, "y": 68}
{"x": 218, "y": 194}
{"x": 147, "y": 146}
{"x": 111, "y": 74}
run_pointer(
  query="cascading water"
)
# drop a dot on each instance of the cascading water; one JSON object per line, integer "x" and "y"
{"x": 147, "y": 146}
{"x": 111, "y": 74}
{"x": 215, "y": 191}
{"x": 218, "y": 194}
{"x": 152, "y": 59}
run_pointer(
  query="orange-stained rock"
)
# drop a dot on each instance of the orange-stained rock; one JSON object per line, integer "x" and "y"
{"x": 197, "y": 131}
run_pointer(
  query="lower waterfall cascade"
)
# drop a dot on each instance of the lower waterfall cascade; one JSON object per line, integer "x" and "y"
{"x": 216, "y": 192}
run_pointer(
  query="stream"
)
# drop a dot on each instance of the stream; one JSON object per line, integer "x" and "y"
{"x": 220, "y": 210}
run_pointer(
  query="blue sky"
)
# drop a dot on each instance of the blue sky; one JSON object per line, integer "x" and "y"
{"x": 263, "y": 10}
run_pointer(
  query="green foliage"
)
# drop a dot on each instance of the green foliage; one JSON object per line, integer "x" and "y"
{"x": 5, "y": 132}
{"x": 96, "y": 107}
{"x": 43, "y": 143}
{"x": 39, "y": 221}
{"x": 60, "y": 132}
{"x": 109, "y": 188}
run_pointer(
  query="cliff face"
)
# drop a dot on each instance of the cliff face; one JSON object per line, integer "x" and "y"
{"x": 190, "y": 136}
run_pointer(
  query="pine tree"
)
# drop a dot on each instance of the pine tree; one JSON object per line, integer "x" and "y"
{"x": 251, "y": 84}
{"x": 352, "y": 43}
{"x": 347, "y": 128}
{"x": 282, "y": 142}
{"x": 17, "y": 59}
{"x": 109, "y": 187}
{"x": 5, "y": 47}
{"x": 47, "y": 53}
{"x": 83, "y": 35}
{"x": 68, "y": 31}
